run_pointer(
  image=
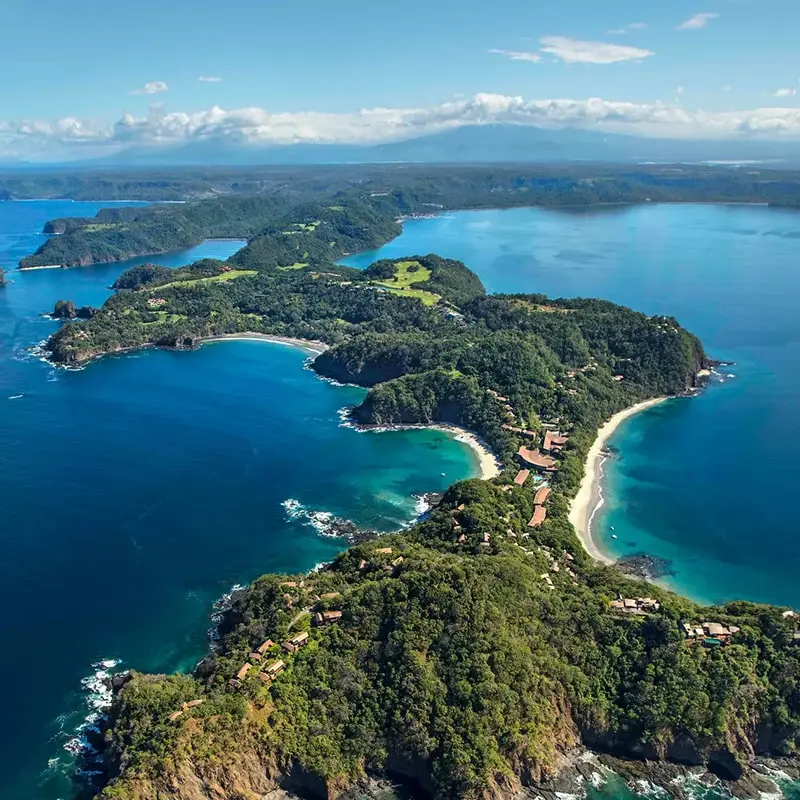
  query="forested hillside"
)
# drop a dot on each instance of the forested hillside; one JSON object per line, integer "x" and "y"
{"x": 471, "y": 652}
{"x": 246, "y": 203}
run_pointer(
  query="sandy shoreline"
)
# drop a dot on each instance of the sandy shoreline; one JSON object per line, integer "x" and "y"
{"x": 590, "y": 496}
{"x": 487, "y": 461}
{"x": 309, "y": 345}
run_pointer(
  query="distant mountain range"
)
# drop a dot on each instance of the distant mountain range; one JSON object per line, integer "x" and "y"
{"x": 468, "y": 144}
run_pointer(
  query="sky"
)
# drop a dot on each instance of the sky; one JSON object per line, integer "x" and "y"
{"x": 92, "y": 76}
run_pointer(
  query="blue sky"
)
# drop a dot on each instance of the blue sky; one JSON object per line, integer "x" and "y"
{"x": 85, "y": 61}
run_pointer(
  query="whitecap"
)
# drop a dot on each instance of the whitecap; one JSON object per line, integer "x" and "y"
{"x": 98, "y": 696}
{"x": 323, "y": 522}
{"x": 421, "y": 504}
{"x": 222, "y": 605}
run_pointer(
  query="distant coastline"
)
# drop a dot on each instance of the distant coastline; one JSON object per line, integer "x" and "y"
{"x": 589, "y": 498}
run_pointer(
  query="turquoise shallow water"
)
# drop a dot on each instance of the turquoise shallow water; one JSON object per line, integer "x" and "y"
{"x": 706, "y": 483}
{"x": 139, "y": 490}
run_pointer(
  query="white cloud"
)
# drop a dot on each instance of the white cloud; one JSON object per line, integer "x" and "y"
{"x": 573, "y": 51}
{"x": 209, "y": 79}
{"x": 257, "y": 126}
{"x": 633, "y": 26}
{"x": 517, "y": 55}
{"x": 697, "y": 21}
{"x": 785, "y": 93}
{"x": 154, "y": 87}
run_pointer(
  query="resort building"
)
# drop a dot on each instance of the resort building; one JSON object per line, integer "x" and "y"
{"x": 522, "y": 476}
{"x": 242, "y": 673}
{"x": 264, "y": 646}
{"x": 709, "y": 634}
{"x": 274, "y": 669}
{"x": 541, "y": 495}
{"x": 327, "y": 617}
{"x": 539, "y": 516}
{"x": 519, "y": 431}
{"x": 635, "y": 605}
{"x": 536, "y": 460}
{"x": 384, "y": 551}
{"x": 554, "y": 441}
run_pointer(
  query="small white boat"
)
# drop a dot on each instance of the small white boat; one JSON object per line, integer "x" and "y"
{"x": 613, "y": 535}
{"x": 613, "y": 528}
{"x": 443, "y": 475}
{"x": 15, "y": 397}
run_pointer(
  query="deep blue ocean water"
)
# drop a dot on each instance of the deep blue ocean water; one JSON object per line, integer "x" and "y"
{"x": 707, "y": 483}
{"x": 139, "y": 490}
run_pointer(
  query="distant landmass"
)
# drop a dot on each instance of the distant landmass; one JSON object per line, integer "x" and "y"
{"x": 468, "y": 144}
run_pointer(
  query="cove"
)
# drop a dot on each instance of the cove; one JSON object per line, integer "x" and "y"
{"x": 706, "y": 483}
{"x": 139, "y": 490}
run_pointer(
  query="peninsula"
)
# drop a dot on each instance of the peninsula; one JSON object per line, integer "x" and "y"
{"x": 255, "y": 202}
{"x": 472, "y": 653}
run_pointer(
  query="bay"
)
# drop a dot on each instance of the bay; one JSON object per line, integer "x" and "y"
{"x": 139, "y": 490}
{"x": 705, "y": 483}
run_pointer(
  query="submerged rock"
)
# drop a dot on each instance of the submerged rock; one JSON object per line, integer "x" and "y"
{"x": 645, "y": 566}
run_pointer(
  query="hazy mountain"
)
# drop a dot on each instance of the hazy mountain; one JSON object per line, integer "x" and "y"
{"x": 475, "y": 143}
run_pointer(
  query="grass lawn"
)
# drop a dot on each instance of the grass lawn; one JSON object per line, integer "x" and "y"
{"x": 225, "y": 276}
{"x": 406, "y": 274}
{"x": 297, "y": 265}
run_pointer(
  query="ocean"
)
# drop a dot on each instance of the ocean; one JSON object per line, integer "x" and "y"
{"x": 704, "y": 483}
{"x": 136, "y": 492}
{"x": 139, "y": 490}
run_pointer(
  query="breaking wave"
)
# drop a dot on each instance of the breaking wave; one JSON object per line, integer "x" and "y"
{"x": 97, "y": 694}
{"x": 323, "y": 522}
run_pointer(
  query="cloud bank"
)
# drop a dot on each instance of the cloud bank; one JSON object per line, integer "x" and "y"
{"x": 261, "y": 127}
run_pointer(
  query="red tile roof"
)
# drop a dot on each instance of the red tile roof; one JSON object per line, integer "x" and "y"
{"x": 536, "y": 459}
{"x": 541, "y": 495}
{"x": 539, "y": 516}
{"x": 522, "y": 476}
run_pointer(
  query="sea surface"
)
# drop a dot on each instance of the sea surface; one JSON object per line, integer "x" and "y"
{"x": 139, "y": 490}
{"x": 706, "y": 483}
{"x": 136, "y": 492}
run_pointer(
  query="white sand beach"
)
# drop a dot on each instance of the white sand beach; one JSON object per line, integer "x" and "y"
{"x": 590, "y": 498}
{"x": 489, "y": 465}
{"x": 310, "y": 345}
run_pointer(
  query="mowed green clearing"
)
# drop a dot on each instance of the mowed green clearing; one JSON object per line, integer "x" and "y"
{"x": 225, "y": 276}
{"x": 406, "y": 274}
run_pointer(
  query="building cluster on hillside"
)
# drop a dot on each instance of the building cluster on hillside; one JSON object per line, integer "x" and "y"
{"x": 557, "y": 564}
{"x": 635, "y": 605}
{"x": 387, "y": 567}
{"x": 791, "y": 614}
{"x": 709, "y": 634}
{"x": 268, "y": 670}
{"x": 539, "y": 510}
